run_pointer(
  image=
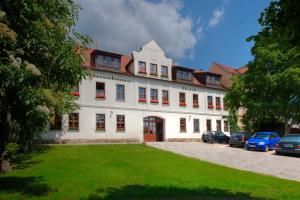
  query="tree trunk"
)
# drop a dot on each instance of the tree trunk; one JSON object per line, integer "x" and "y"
{"x": 286, "y": 126}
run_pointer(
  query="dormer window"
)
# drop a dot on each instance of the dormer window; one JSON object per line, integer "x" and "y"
{"x": 183, "y": 75}
{"x": 108, "y": 61}
{"x": 153, "y": 69}
{"x": 212, "y": 80}
{"x": 142, "y": 67}
{"x": 164, "y": 71}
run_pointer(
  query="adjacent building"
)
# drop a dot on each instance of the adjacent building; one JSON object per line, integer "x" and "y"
{"x": 141, "y": 98}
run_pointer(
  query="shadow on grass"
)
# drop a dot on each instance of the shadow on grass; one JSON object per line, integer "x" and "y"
{"x": 24, "y": 160}
{"x": 155, "y": 193}
{"x": 31, "y": 186}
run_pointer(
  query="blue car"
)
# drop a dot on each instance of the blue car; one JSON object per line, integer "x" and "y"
{"x": 263, "y": 141}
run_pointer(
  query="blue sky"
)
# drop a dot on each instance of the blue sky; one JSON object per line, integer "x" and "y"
{"x": 194, "y": 33}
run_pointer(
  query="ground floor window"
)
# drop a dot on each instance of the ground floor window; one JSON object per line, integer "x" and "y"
{"x": 208, "y": 125}
{"x": 120, "y": 122}
{"x": 196, "y": 126}
{"x": 182, "y": 125}
{"x": 55, "y": 122}
{"x": 74, "y": 121}
{"x": 218, "y": 125}
{"x": 226, "y": 129}
{"x": 100, "y": 122}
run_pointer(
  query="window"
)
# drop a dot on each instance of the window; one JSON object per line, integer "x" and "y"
{"x": 183, "y": 75}
{"x": 165, "y": 97}
{"x": 196, "y": 126}
{"x": 100, "y": 122}
{"x": 212, "y": 80}
{"x": 153, "y": 69}
{"x": 120, "y": 93}
{"x": 218, "y": 103}
{"x": 182, "y": 125}
{"x": 73, "y": 121}
{"x": 108, "y": 61}
{"x": 100, "y": 90}
{"x": 218, "y": 125}
{"x": 208, "y": 125}
{"x": 226, "y": 129}
{"x": 142, "y": 67}
{"x": 55, "y": 122}
{"x": 225, "y": 105}
{"x": 154, "y": 96}
{"x": 142, "y": 94}
{"x": 195, "y": 101}
{"x": 75, "y": 91}
{"x": 120, "y": 122}
{"x": 182, "y": 99}
{"x": 210, "y": 102}
{"x": 164, "y": 71}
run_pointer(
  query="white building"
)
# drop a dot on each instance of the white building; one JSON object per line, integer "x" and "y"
{"x": 143, "y": 97}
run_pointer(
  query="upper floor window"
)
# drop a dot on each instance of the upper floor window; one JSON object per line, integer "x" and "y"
{"x": 100, "y": 90}
{"x": 218, "y": 103}
{"x": 154, "y": 96}
{"x": 142, "y": 67}
{"x": 210, "y": 102}
{"x": 75, "y": 91}
{"x": 142, "y": 94}
{"x": 108, "y": 61}
{"x": 195, "y": 100}
{"x": 183, "y": 75}
{"x": 213, "y": 80}
{"x": 182, "y": 99}
{"x": 182, "y": 125}
{"x": 208, "y": 125}
{"x": 165, "y": 97}
{"x": 196, "y": 126}
{"x": 100, "y": 122}
{"x": 218, "y": 125}
{"x": 153, "y": 69}
{"x": 224, "y": 105}
{"x": 120, "y": 122}
{"x": 226, "y": 126}
{"x": 74, "y": 121}
{"x": 120, "y": 93}
{"x": 164, "y": 71}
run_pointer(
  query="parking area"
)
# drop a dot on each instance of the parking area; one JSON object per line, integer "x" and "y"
{"x": 261, "y": 162}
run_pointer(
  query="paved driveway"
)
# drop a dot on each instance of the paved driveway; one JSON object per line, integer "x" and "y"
{"x": 261, "y": 162}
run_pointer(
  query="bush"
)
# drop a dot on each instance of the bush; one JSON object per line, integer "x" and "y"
{"x": 11, "y": 150}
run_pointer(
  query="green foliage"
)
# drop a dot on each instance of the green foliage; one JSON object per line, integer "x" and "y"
{"x": 270, "y": 89}
{"x": 11, "y": 150}
{"x": 40, "y": 62}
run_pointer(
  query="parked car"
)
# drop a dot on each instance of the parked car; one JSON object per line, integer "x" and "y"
{"x": 263, "y": 141}
{"x": 288, "y": 144}
{"x": 238, "y": 139}
{"x": 214, "y": 136}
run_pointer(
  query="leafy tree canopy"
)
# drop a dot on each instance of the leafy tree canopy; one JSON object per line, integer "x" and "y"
{"x": 270, "y": 89}
{"x": 40, "y": 62}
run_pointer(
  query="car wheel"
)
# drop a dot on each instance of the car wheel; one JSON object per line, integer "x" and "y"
{"x": 266, "y": 148}
{"x": 231, "y": 145}
{"x": 204, "y": 141}
{"x": 278, "y": 153}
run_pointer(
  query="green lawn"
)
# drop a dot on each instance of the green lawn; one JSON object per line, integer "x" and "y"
{"x": 133, "y": 172}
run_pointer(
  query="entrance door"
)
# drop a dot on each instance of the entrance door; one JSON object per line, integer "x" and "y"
{"x": 153, "y": 129}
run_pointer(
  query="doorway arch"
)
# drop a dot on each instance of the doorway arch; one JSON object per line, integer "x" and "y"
{"x": 153, "y": 129}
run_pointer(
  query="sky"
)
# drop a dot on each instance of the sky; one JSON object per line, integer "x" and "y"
{"x": 194, "y": 33}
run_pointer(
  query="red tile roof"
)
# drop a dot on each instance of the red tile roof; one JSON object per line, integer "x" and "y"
{"x": 240, "y": 70}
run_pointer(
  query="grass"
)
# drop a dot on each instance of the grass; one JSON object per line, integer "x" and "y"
{"x": 90, "y": 172}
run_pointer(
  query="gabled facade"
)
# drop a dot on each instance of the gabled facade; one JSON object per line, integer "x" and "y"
{"x": 143, "y": 97}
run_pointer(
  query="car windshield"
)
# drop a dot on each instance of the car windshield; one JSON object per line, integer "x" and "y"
{"x": 261, "y": 136}
{"x": 289, "y": 138}
{"x": 237, "y": 134}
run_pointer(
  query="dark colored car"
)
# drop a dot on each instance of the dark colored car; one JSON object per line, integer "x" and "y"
{"x": 263, "y": 141}
{"x": 214, "y": 136}
{"x": 289, "y": 144}
{"x": 239, "y": 139}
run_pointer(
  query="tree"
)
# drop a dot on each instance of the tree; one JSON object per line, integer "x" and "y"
{"x": 40, "y": 62}
{"x": 270, "y": 89}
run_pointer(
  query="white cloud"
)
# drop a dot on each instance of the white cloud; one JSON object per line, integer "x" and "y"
{"x": 216, "y": 17}
{"x": 125, "y": 25}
